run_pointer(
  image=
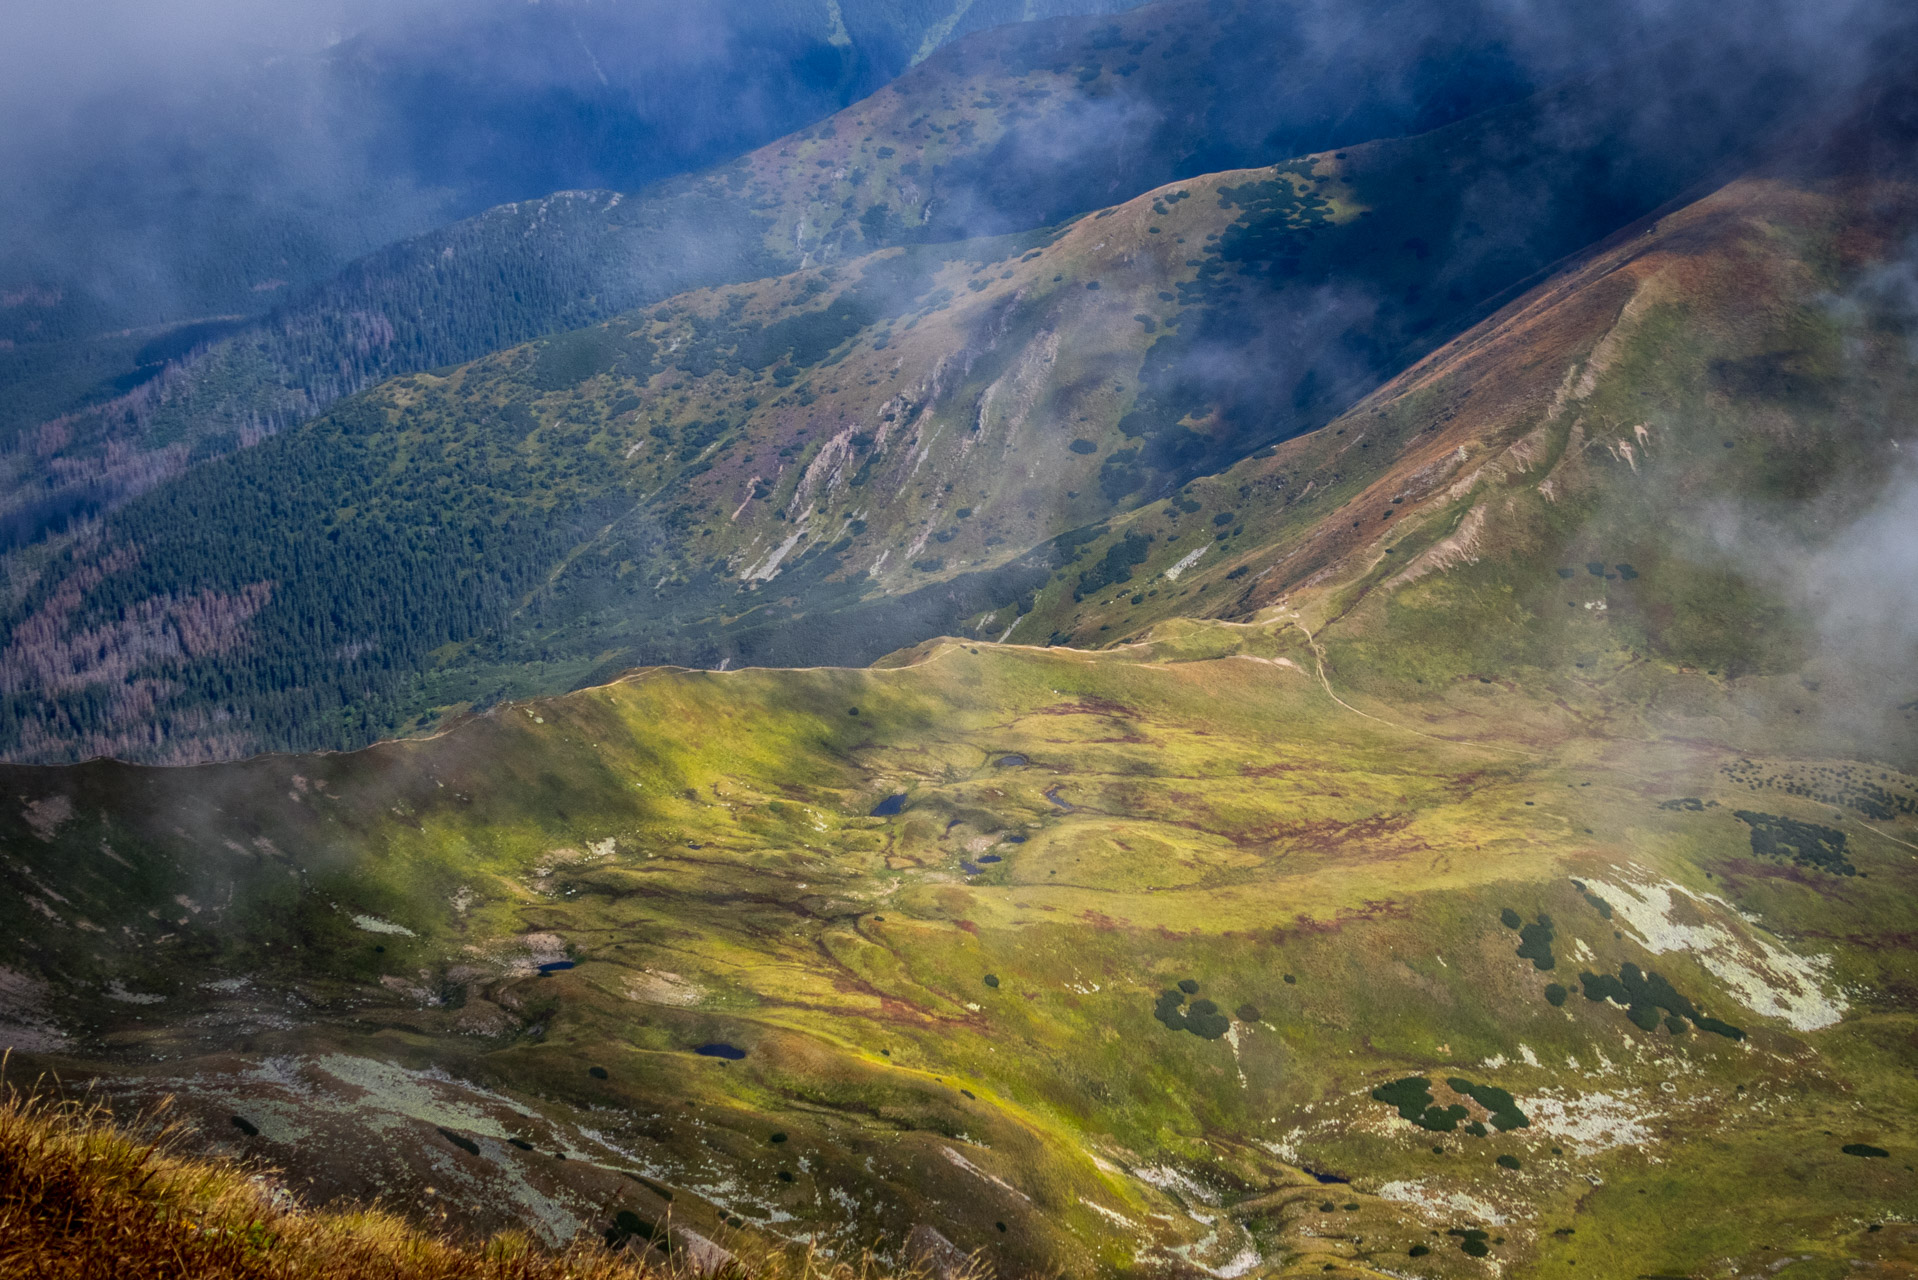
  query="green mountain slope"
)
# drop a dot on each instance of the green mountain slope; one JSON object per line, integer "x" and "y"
{"x": 1687, "y": 455}
{"x": 1007, "y": 129}
{"x": 1099, "y": 962}
{"x": 818, "y": 468}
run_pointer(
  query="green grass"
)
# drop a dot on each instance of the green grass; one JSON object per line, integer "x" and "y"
{"x": 1230, "y": 827}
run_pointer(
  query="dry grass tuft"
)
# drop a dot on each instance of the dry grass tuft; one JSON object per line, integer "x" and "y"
{"x": 84, "y": 1197}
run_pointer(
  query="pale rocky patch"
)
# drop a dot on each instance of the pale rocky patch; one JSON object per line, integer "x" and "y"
{"x": 658, "y": 986}
{"x": 1758, "y": 973}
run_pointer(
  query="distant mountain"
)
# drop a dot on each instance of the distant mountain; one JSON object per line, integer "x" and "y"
{"x": 1010, "y": 129}
{"x": 818, "y": 468}
{"x": 185, "y": 200}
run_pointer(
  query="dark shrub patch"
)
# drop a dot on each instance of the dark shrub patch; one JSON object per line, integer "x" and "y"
{"x": 1866, "y": 1150}
{"x": 777, "y": 1137}
{"x": 992, "y": 980}
{"x": 1472, "y": 1240}
{"x": 461, "y": 1141}
{"x": 1535, "y": 943}
{"x": 1413, "y": 1098}
{"x": 1189, "y": 985}
{"x": 1116, "y": 566}
{"x": 1504, "y": 1108}
{"x": 1676, "y": 1025}
{"x": 1477, "y": 1128}
{"x": 1507, "y": 1162}
{"x": 521, "y": 1143}
{"x": 1247, "y": 1013}
{"x": 1510, "y": 918}
{"x": 1202, "y": 1019}
{"x": 1418, "y": 1251}
{"x": 1644, "y": 994}
{"x": 1555, "y": 994}
{"x": 597, "y": 1073}
{"x": 574, "y": 357}
{"x": 246, "y": 1126}
{"x": 1806, "y": 843}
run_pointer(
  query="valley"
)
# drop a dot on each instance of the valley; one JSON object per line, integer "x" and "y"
{"x": 1110, "y": 983}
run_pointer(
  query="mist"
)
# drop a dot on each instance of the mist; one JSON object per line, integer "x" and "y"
{"x": 205, "y": 158}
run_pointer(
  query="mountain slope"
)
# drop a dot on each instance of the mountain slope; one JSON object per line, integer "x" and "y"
{"x": 1685, "y": 457}
{"x": 1099, "y": 962}
{"x": 156, "y": 217}
{"x": 1006, "y": 130}
{"x": 1397, "y": 919}
{"x": 822, "y": 467}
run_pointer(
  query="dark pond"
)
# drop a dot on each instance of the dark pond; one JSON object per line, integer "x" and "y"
{"x": 1053, "y": 795}
{"x": 969, "y": 868}
{"x": 1010, "y": 762}
{"x": 246, "y": 1126}
{"x": 890, "y": 806}
{"x": 990, "y": 857}
{"x": 554, "y": 967}
{"x": 720, "y": 1049}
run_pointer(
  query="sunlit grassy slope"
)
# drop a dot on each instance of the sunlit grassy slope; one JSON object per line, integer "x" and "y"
{"x": 656, "y": 929}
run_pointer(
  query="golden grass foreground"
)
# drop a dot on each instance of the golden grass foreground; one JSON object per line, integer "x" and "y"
{"x": 84, "y": 1196}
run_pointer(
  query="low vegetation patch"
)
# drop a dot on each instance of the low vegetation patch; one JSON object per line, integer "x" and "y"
{"x": 1806, "y": 844}
{"x": 1644, "y": 994}
{"x": 1413, "y": 1098}
{"x": 1503, "y": 1107}
{"x": 1534, "y": 940}
{"x": 1202, "y": 1017}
